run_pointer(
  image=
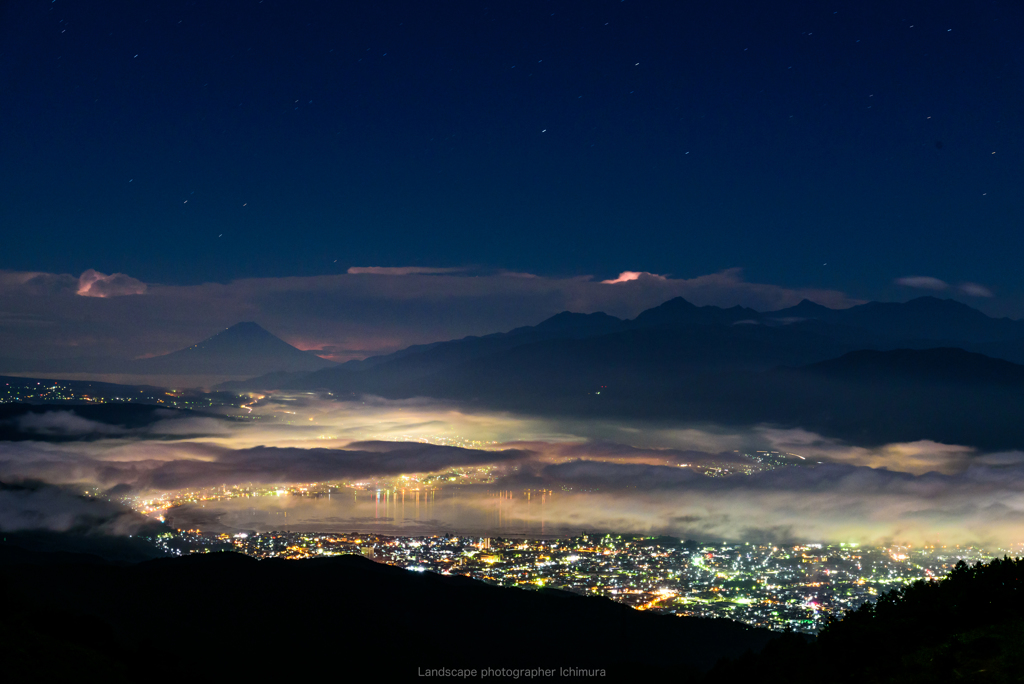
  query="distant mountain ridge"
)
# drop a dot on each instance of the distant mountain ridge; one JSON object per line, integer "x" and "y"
{"x": 924, "y": 318}
{"x": 244, "y": 348}
{"x": 678, "y": 334}
{"x": 929, "y": 363}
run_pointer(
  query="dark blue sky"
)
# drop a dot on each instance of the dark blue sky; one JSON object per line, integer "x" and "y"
{"x": 553, "y": 137}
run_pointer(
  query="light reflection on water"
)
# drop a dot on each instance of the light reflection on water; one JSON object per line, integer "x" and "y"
{"x": 397, "y": 512}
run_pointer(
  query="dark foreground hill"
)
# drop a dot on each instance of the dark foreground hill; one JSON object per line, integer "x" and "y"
{"x": 230, "y": 614}
{"x": 968, "y": 627}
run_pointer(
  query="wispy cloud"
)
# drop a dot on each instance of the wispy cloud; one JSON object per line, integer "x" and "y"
{"x": 923, "y": 283}
{"x": 401, "y": 270}
{"x": 975, "y": 290}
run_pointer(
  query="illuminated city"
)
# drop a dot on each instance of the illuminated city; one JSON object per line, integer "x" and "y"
{"x": 778, "y": 587}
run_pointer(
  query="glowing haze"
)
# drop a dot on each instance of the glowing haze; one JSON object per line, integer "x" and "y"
{"x": 621, "y": 476}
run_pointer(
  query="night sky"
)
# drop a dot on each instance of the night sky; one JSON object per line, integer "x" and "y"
{"x": 190, "y": 142}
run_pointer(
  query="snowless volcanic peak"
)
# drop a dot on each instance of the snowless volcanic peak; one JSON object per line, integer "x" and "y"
{"x": 243, "y": 349}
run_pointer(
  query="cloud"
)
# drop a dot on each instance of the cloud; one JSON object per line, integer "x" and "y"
{"x": 928, "y": 283}
{"x": 828, "y": 502}
{"x": 627, "y": 276}
{"x": 725, "y": 288}
{"x": 51, "y": 283}
{"x": 37, "y": 506}
{"x": 816, "y": 503}
{"x": 918, "y": 457}
{"x": 401, "y": 270}
{"x": 194, "y": 465}
{"x": 273, "y": 464}
{"x": 95, "y": 284}
{"x": 625, "y": 477}
{"x": 64, "y": 424}
{"x": 922, "y": 282}
{"x": 975, "y": 290}
{"x": 622, "y": 453}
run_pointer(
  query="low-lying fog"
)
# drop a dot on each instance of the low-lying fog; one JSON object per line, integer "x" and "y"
{"x": 624, "y": 477}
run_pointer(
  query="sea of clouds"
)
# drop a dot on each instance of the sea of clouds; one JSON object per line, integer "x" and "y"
{"x": 624, "y": 477}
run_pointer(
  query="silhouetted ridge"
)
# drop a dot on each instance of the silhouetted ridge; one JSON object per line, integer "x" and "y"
{"x": 248, "y": 336}
{"x": 570, "y": 322}
{"x": 678, "y": 312}
{"x": 243, "y": 349}
{"x": 805, "y": 309}
{"x": 224, "y": 605}
{"x": 923, "y": 318}
{"x": 246, "y": 329}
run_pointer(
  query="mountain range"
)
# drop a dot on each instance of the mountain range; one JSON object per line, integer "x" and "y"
{"x": 874, "y": 373}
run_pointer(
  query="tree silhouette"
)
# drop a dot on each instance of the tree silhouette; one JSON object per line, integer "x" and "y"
{"x": 968, "y": 626}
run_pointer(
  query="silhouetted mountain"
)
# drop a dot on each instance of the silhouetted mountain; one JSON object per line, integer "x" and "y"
{"x": 679, "y": 313}
{"x": 222, "y": 611}
{"x": 805, "y": 309}
{"x": 668, "y": 339}
{"x": 675, "y": 337}
{"x": 641, "y": 361}
{"x": 792, "y": 367}
{"x": 571, "y": 337}
{"x": 966, "y": 627}
{"x": 924, "y": 318}
{"x": 242, "y": 349}
{"x": 576, "y": 325}
{"x": 413, "y": 363}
